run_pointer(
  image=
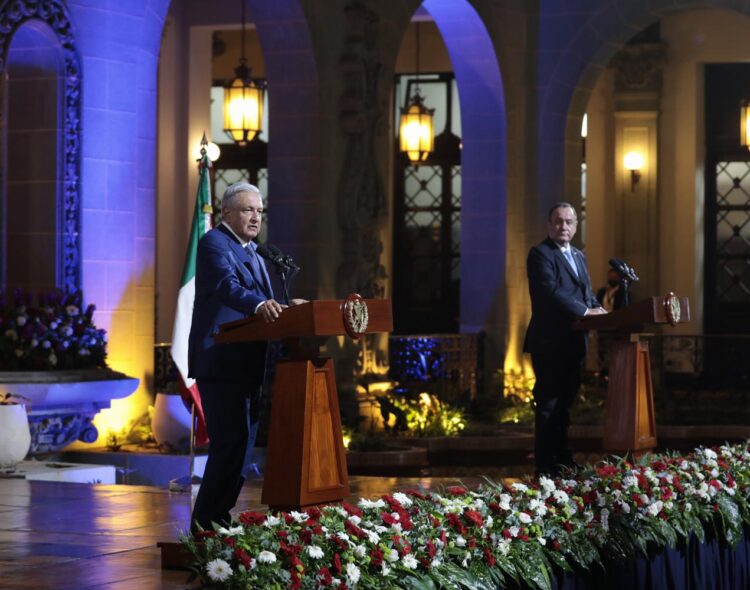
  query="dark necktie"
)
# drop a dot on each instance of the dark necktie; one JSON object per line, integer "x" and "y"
{"x": 255, "y": 263}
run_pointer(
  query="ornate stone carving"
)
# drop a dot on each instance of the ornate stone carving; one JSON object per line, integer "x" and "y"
{"x": 54, "y": 430}
{"x": 362, "y": 208}
{"x": 13, "y": 14}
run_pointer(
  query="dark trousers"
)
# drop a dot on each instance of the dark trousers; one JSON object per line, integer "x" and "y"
{"x": 558, "y": 377}
{"x": 231, "y": 411}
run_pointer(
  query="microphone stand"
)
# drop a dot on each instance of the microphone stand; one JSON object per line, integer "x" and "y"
{"x": 625, "y": 284}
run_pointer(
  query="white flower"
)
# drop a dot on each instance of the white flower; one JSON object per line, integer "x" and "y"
{"x": 314, "y": 551}
{"x": 360, "y": 551}
{"x": 392, "y": 555}
{"x": 21, "y": 320}
{"x": 352, "y": 574}
{"x": 402, "y": 499}
{"x": 409, "y": 562}
{"x": 436, "y": 562}
{"x": 547, "y": 484}
{"x": 299, "y": 517}
{"x": 460, "y": 541}
{"x": 514, "y": 530}
{"x": 465, "y": 560}
{"x": 266, "y": 557}
{"x": 688, "y": 506}
{"x": 271, "y": 521}
{"x": 538, "y": 506}
{"x": 504, "y": 501}
{"x": 519, "y": 487}
{"x": 542, "y": 541}
{"x": 655, "y": 508}
{"x": 625, "y": 507}
{"x": 369, "y": 504}
{"x": 709, "y": 454}
{"x": 373, "y": 537}
{"x": 218, "y": 570}
{"x": 231, "y": 531}
{"x": 560, "y": 497}
{"x": 503, "y": 546}
{"x": 489, "y": 521}
{"x": 355, "y": 520}
{"x": 384, "y": 569}
{"x": 524, "y": 518}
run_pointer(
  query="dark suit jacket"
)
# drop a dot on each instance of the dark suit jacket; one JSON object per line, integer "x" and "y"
{"x": 227, "y": 288}
{"x": 558, "y": 297}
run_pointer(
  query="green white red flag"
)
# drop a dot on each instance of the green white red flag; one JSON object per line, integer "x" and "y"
{"x": 184, "y": 314}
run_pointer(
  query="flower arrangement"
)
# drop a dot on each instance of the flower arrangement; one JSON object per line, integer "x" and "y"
{"x": 485, "y": 537}
{"x": 55, "y": 333}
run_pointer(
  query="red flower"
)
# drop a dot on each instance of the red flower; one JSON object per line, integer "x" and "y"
{"x": 306, "y": 537}
{"x": 252, "y": 518}
{"x": 204, "y": 534}
{"x": 242, "y": 556}
{"x": 607, "y": 471}
{"x": 376, "y": 556}
{"x": 507, "y": 535}
{"x": 488, "y": 557}
{"x": 456, "y": 490}
{"x": 388, "y": 519}
{"x": 415, "y": 494}
{"x": 325, "y": 576}
{"x": 353, "y": 529}
{"x": 555, "y": 545}
{"x": 473, "y": 517}
{"x": 314, "y": 513}
{"x": 231, "y": 541}
{"x": 282, "y": 534}
{"x": 352, "y": 510}
{"x": 430, "y": 549}
{"x": 337, "y": 563}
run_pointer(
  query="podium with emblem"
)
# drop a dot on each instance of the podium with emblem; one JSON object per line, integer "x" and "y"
{"x": 305, "y": 457}
{"x": 629, "y": 421}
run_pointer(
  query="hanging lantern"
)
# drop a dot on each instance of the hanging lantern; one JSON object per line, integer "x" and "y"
{"x": 416, "y": 131}
{"x": 243, "y": 100}
{"x": 745, "y": 123}
{"x": 243, "y": 107}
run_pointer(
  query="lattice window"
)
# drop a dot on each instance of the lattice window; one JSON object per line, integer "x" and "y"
{"x": 732, "y": 232}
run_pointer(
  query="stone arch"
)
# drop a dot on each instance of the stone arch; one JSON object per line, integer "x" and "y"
{"x": 566, "y": 84}
{"x": 483, "y": 160}
{"x": 56, "y": 17}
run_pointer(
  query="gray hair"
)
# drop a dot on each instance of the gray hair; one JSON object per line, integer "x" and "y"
{"x": 237, "y": 188}
{"x": 561, "y": 205}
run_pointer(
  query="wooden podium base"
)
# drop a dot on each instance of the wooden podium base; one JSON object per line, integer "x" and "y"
{"x": 629, "y": 423}
{"x": 305, "y": 459}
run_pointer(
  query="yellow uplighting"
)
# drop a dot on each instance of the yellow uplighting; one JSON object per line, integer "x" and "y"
{"x": 416, "y": 131}
{"x": 243, "y": 110}
{"x": 745, "y": 123}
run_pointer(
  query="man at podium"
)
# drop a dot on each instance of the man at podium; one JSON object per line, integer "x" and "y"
{"x": 231, "y": 283}
{"x": 560, "y": 290}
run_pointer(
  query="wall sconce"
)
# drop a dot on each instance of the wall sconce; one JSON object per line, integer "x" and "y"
{"x": 212, "y": 150}
{"x": 634, "y": 162}
{"x": 745, "y": 123}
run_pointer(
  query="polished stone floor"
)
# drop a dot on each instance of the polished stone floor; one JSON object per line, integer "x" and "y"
{"x": 67, "y": 536}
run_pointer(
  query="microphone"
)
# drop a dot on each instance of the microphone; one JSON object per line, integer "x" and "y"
{"x": 286, "y": 260}
{"x": 622, "y": 269}
{"x": 277, "y": 257}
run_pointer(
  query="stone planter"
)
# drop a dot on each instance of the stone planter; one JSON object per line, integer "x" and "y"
{"x": 15, "y": 437}
{"x": 171, "y": 421}
{"x": 63, "y": 403}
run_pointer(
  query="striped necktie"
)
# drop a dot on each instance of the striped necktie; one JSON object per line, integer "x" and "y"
{"x": 569, "y": 257}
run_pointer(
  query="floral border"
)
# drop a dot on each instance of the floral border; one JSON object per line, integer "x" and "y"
{"x": 486, "y": 537}
{"x": 14, "y": 13}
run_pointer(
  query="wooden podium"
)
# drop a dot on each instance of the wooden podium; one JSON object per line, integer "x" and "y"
{"x": 305, "y": 459}
{"x": 629, "y": 423}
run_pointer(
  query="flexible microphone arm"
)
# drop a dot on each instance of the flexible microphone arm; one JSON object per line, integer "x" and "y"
{"x": 284, "y": 265}
{"x": 627, "y": 276}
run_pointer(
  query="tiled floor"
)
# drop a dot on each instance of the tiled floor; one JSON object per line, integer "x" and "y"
{"x": 64, "y": 536}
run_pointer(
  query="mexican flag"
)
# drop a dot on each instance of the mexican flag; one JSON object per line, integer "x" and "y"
{"x": 184, "y": 315}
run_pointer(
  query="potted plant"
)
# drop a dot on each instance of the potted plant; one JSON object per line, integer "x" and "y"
{"x": 52, "y": 353}
{"x": 15, "y": 437}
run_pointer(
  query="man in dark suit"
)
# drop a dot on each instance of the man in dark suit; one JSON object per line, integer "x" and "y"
{"x": 231, "y": 282}
{"x": 560, "y": 290}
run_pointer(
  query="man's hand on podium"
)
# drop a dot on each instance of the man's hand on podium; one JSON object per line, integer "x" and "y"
{"x": 270, "y": 310}
{"x": 595, "y": 311}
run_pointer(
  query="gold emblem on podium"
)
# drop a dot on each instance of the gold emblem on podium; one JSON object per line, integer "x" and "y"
{"x": 355, "y": 315}
{"x": 672, "y": 308}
